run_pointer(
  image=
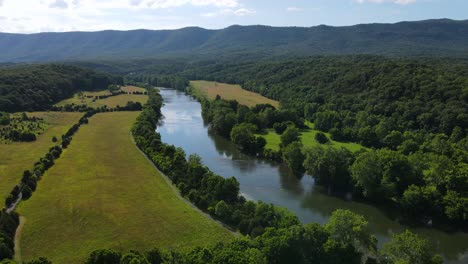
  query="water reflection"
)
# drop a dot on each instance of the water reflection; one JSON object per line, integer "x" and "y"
{"x": 274, "y": 183}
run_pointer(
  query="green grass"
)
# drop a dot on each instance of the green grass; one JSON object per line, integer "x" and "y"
{"x": 16, "y": 157}
{"x": 131, "y": 89}
{"x": 103, "y": 193}
{"x": 308, "y": 140}
{"x": 230, "y": 92}
{"x": 111, "y": 102}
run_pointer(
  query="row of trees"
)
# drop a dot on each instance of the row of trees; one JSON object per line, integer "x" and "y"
{"x": 130, "y": 106}
{"x": 159, "y": 80}
{"x": 24, "y": 190}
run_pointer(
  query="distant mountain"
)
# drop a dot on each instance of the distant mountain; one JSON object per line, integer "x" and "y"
{"x": 422, "y": 38}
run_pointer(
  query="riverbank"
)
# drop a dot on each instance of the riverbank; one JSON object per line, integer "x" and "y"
{"x": 271, "y": 182}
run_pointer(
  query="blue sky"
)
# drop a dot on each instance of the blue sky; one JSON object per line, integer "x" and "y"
{"x": 30, "y": 16}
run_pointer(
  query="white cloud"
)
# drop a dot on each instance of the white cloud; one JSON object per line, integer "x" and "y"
{"x": 93, "y": 15}
{"x": 231, "y": 12}
{"x": 399, "y": 2}
{"x": 178, "y": 3}
{"x": 294, "y": 9}
{"x": 61, "y": 4}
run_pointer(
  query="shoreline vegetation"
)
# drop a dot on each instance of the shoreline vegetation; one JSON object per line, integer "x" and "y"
{"x": 282, "y": 135}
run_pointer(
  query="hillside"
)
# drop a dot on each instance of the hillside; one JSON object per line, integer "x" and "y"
{"x": 422, "y": 38}
{"x": 37, "y": 87}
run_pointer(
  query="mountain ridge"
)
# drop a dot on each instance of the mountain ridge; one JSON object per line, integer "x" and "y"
{"x": 435, "y": 37}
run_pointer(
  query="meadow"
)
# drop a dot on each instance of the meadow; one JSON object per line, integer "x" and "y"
{"x": 132, "y": 89}
{"x": 230, "y": 92}
{"x": 16, "y": 157}
{"x": 307, "y": 139}
{"x": 103, "y": 193}
{"x": 87, "y": 98}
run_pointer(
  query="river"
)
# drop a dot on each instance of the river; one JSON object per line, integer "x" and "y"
{"x": 271, "y": 182}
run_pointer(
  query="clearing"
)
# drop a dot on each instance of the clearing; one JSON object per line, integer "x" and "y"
{"x": 16, "y": 157}
{"x": 308, "y": 139}
{"x": 230, "y": 92}
{"x": 103, "y": 193}
{"x": 89, "y": 98}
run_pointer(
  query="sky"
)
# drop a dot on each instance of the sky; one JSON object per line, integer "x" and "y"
{"x": 32, "y": 16}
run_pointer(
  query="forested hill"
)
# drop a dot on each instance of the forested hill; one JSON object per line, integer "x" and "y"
{"x": 422, "y": 38}
{"x": 37, "y": 87}
{"x": 412, "y": 94}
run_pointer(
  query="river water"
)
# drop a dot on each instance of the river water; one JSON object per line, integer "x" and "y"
{"x": 271, "y": 182}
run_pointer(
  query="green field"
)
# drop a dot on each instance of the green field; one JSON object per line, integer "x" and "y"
{"x": 16, "y": 157}
{"x": 103, "y": 193}
{"x": 87, "y": 98}
{"x": 131, "y": 89}
{"x": 230, "y": 92}
{"x": 308, "y": 139}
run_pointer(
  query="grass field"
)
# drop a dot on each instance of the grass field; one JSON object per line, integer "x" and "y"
{"x": 131, "y": 89}
{"x": 308, "y": 139}
{"x": 113, "y": 101}
{"x": 17, "y": 157}
{"x": 103, "y": 193}
{"x": 230, "y": 92}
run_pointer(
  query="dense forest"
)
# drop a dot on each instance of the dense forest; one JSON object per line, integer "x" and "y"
{"x": 38, "y": 87}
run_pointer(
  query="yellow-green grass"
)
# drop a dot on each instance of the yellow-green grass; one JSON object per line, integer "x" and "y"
{"x": 103, "y": 193}
{"x": 308, "y": 140}
{"x": 16, "y": 157}
{"x": 131, "y": 89}
{"x": 230, "y": 92}
{"x": 111, "y": 102}
{"x": 122, "y": 100}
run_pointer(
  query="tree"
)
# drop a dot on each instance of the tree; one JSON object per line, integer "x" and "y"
{"x": 456, "y": 206}
{"x": 154, "y": 256}
{"x": 243, "y": 136}
{"x": 133, "y": 257}
{"x": 329, "y": 166}
{"x": 40, "y": 260}
{"x": 366, "y": 172}
{"x": 348, "y": 228}
{"x": 321, "y": 138}
{"x": 104, "y": 256}
{"x": 406, "y": 247}
{"x": 290, "y": 135}
{"x": 293, "y": 156}
{"x": 393, "y": 139}
{"x": 421, "y": 201}
{"x": 222, "y": 210}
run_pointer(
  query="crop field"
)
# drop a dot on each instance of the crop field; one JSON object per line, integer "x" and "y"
{"x": 103, "y": 193}
{"x": 308, "y": 140}
{"x": 230, "y": 92}
{"x": 16, "y": 157}
{"x": 88, "y": 98}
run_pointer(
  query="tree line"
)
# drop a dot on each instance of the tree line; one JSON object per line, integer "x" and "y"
{"x": 9, "y": 220}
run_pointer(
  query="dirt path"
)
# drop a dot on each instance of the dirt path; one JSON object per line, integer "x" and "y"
{"x": 176, "y": 191}
{"x": 19, "y": 230}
